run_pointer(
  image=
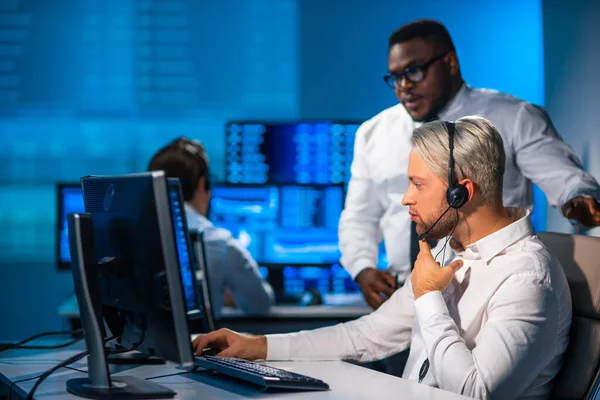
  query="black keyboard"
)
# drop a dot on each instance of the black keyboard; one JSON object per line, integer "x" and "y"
{"x": 259, "y": 374}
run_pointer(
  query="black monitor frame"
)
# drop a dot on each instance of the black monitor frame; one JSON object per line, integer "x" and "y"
{"x": 107, "y": 284}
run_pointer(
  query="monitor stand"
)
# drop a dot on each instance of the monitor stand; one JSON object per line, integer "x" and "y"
{"x": 99, "y": 384}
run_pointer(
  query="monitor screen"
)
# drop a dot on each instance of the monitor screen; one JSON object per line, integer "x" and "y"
{"x": 188, "y": 279}
{"x": 288, "y": 153}
{"x": 281, "y": 223}
{"x": 298, "y": 278}
{"x": 70, "y": 200}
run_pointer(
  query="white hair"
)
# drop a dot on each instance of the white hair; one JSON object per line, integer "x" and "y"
{"x": 478, "y": 152}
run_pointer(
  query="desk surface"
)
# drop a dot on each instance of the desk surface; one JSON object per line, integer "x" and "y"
{"x": 347, "y": 381}
{"x": 69, "y": 309}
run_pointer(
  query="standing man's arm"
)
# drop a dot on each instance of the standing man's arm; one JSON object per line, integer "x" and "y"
{"x": 359, "y": 232}
{"x": 549, "y": 162}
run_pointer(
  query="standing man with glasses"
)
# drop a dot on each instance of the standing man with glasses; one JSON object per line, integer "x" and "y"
{"x": 424, "y": 72}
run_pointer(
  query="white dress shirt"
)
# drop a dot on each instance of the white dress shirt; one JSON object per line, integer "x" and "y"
{"x": 499, "y": 330}
{"x": 534, "y": 152}
{"x": 230, "y": 266}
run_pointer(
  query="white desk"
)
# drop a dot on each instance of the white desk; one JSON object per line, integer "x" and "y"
{"x": 347, "y": 381}
{"x": 69, "y": 309}
{"x": 278, "y": 319}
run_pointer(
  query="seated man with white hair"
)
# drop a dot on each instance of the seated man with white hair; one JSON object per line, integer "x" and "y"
{"x": 493, "y": 323}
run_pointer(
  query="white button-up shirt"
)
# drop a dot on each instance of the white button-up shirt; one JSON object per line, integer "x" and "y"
{"x": 230, "y": 266}
{"x": 500, "y": 329}
{"x": 534, "y": 152}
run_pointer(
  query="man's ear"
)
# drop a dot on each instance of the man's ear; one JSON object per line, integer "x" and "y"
{"x": 452, "y": 61}
{"x": 470, "y": 185}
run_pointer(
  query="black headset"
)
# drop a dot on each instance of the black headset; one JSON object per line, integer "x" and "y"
{"x": 195, "y": 148}
{"x": 457, "y": 194}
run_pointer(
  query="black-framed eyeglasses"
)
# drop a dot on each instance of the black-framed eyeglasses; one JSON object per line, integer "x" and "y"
{"x": 412, "y": 74}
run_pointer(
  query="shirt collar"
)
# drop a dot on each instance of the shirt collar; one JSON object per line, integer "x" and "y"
{"x": 456, "y": 104}
{"x": 488, "y": 247}
{"x": 200, "y": 219}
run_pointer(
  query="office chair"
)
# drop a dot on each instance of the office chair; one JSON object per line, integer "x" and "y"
{"x": 580, "y": 259}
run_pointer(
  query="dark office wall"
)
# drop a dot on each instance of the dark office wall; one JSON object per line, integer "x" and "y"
{"x": 96, "y": 86}
{"x": 572, "y": 84}
{"x": 343, "y": 49}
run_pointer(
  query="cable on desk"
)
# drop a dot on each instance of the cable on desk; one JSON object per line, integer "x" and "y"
{"x": 58, "y": 346}
{"x": 39, "y": 335}
{"x": 10, "y": 389}
{"x": 194, "y": 369}
{"x": 76, "y": 369}
{"x": 66, "y": 362}
{"x": 36, "y": 377}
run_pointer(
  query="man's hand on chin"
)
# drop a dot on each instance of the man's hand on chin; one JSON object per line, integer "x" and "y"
{"x": 428, "y": 275}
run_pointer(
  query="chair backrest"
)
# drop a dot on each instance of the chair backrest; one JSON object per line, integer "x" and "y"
{"x": 580, "y": 259}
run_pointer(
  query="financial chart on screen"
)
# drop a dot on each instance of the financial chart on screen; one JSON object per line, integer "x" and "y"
{"x": 304, "y": 153}
{"x": 306, "y": 167}
{"x": 290, "y": 230}
{"x": 281, "y": 223}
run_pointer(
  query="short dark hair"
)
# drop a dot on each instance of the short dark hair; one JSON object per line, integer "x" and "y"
{"x": 423, "y": 28}
{"x": 184, "y": 159}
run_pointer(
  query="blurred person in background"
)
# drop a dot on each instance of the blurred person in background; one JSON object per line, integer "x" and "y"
{"x": 234, "y": 276}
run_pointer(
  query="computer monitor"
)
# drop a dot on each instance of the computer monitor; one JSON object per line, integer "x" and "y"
{"x": 187, "y": 262}
{"x": 292, "y": 232}
{"x": 281, "y": 223}
{"x": 311, "y": 152}
{"x": 70, "y": 200}
{"x": 126, "y": 263}
{"x": 331, "y": 282}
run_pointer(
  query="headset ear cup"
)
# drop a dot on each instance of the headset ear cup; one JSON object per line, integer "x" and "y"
{"x": 457, "y": 196}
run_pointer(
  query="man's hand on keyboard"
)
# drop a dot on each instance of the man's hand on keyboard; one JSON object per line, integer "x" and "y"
{"x": 232, "y": 344}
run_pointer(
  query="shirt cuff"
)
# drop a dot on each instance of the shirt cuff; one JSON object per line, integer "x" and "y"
{"x": 428, "y": 305}
{"x": 359, "y": 265}
{"x": 278, "y": 347}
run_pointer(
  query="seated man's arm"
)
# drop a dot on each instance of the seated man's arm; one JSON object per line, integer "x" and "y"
{"x": 518, "y": 340}
{"x": 250, "y": 292}
{"x": 375, "y": 336}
